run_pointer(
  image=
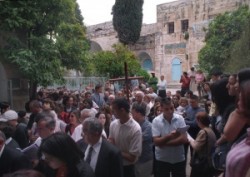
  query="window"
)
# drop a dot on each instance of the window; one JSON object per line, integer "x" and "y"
{"x": 171, "y": 27}
{"x": 184, "y": 25}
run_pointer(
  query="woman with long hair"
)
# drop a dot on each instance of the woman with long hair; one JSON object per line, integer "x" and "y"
{"x": 62, "y": 154}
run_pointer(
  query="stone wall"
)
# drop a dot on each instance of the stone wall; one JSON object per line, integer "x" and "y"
{"x": 163, "y": 47}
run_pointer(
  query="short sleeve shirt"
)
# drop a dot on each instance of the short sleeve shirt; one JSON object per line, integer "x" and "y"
{"x": 161, "y": 127}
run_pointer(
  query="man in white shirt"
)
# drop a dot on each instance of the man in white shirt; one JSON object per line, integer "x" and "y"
{"x": 162, "y": 86}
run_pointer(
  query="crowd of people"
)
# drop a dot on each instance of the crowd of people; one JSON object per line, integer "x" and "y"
{"x": 101, "y": 133}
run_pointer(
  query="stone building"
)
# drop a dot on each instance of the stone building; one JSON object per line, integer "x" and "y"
{"x": 171, "y": 45}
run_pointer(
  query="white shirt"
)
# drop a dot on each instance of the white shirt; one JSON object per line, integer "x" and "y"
{"x": 77, "y": 134}
{"x": 95, "y": 153}
{"x": 162, "y": 85}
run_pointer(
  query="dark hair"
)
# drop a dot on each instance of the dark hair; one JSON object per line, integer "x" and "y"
{"x": 139, "y": 108}
{"x": 194, "y": 97}
{"x": 122, "y": 103}
{"x": 98, "y": 86}
{"x": 21, "y": 114}
{"x": 243, "y": 75}
{"x": 35, "y": 104}
{"x": 52, "y": 104}
{"x": 89, "y": 101}
{"x": 166, "y": 101}
{"x": 245, "y": 97}
{"x": 63, "y": 147}
{"x": 203, "y": 118}
{"x": 220, "y": 95}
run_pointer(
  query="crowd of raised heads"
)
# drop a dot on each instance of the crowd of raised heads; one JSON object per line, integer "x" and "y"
{"x": 145, "y": 131}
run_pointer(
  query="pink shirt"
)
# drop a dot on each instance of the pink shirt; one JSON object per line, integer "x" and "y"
{"x": 238, "y": 158}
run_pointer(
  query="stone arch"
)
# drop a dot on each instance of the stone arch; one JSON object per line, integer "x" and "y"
{"x": 95, "y": 47}
{"x": 176, "y": 69}
{"x": 146, "y": 61}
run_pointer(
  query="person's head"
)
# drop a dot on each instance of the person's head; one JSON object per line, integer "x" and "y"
{"x": 48, "y": 104}
{"x": 74, "y": 117}
{"x": 162, "y": 77}
{"x": 86, "y": 113}
{"x": 2, "y": 139}
{"x": 147, "y": 98}
{"x": 231, "y": 85}
{"x": 10, "y": 116}
{"x": 207, "y": 87}
{"x": 157, "y": 110}
{"x": 25, "y": 173}
{"x": 111, "y": 98}
{"x": 98, "y": 88}
{"x": 87, "y": 103}
{"x": 220, "y": 95}
{"x": 92, "y": 130}
{"x": 153, "y": 74}
{"x": 189, "y": 94}
{"x": 58, "y": 150}
{"x": 169, "y": 94}
{"x": 139, "y": 96}
{"x": 101, "y": 117}
{"x": 202, "y": 119}
{"x": 185, "y": 73}
{"x": 192, "y": 69}
{"x": 244, "y": 99}
{"x": 35, "y": 106}
{"x": 87, "y": 95}
{"x": 194, "y": 101}
{"x": 167, "y": 108}
{"x": 68, "y": 101}
{"x": 215, "y": 75}
{"x": 183, "y": 102}
{"x": 45, "y": 124}
{"x": 138, "y": 112}
{"x": 243, "y": 75}
{"x": 120, "y": 108}
{"x": 4, "y": 106}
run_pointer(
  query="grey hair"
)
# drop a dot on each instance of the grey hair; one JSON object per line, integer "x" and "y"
{"x": 48, "y": 118}
{"x": 140, "y": 93}
{"x": 2, "y": 136}
{"x": 94, "y": 125}
{"x": 89, "y": 112}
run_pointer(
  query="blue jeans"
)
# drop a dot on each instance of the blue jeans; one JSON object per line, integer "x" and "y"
{"x": 164, "y": 169}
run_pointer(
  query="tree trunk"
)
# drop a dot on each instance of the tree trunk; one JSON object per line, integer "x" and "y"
{"x": 32, "y": 90}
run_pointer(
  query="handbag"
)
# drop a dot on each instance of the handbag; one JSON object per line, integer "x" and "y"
{"x": 219, "y": 157}
{"x": 201, "y": 162}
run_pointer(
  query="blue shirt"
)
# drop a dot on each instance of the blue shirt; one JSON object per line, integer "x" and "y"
{"x": 147, "y": 142}
{"x": 161, "y": 127}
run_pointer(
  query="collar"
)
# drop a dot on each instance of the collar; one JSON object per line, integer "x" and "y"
{"x": 1, "y": 151}
{"x": 97, "y": 145}
{"x": 8, "y": 140}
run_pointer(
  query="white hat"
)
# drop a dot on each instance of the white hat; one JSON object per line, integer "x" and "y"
{"x": 10, "y": 115}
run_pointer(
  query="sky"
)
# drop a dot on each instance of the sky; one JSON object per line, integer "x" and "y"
{"x": 99, "y": 11}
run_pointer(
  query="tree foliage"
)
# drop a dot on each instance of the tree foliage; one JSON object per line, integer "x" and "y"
{"x": 43, "y": 38}
{"x": 240, "y": 52}
{"x": 111, "y": 63}
{"x": 127, "y": 20}
{"x": 223, "y": 31}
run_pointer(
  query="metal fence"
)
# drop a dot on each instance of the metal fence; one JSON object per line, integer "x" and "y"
{"x": 79, "y": 83}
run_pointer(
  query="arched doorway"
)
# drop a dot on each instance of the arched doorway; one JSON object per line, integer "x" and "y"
{"x": 146, "y": 61}
{"x": 95, "y": 47}
{"x": 176, "y": 69}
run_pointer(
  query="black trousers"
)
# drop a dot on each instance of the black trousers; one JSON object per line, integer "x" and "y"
{"x": 129, "y": 171}
{"x": 164, "y": 169}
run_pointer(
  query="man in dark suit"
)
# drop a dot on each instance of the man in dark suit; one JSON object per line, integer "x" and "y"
{"x": 11, "y": 159}
{"x": 104, "y": 158}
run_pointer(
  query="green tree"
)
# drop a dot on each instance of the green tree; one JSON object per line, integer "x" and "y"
{"x": 127, "y": 20}
{"x": 222, "y": 32}
{"x": 43, "y": 38}
{"x": 240, "y": 52}
{"x": 111, "y": 64}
